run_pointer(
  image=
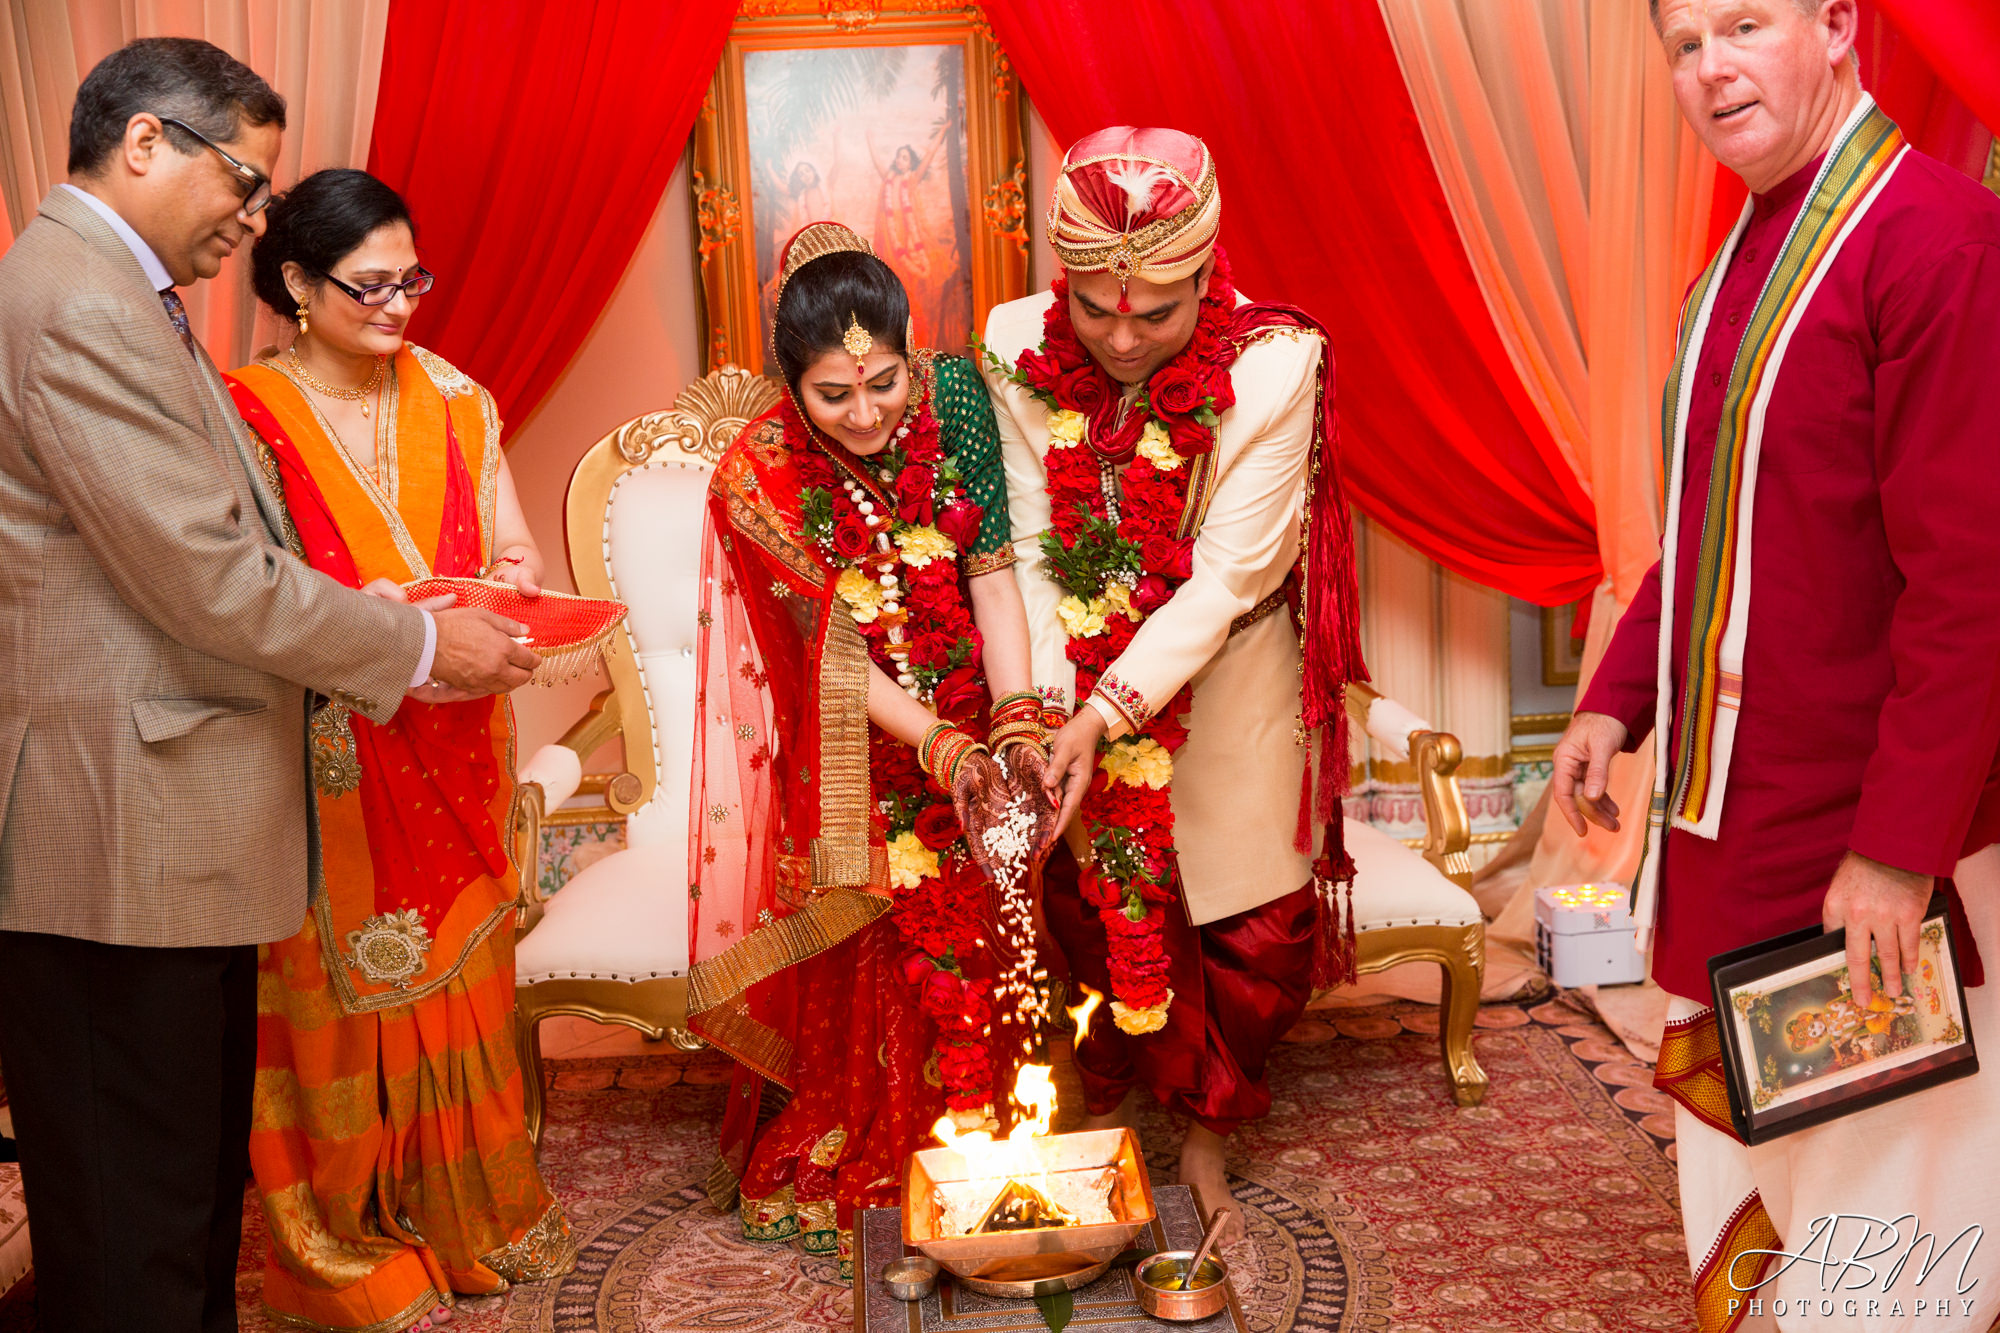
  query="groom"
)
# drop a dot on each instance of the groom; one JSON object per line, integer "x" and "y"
{"x": 1160, "y": 434}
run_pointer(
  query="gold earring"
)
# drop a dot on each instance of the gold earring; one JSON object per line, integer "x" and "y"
{"x": 304, "y": 323}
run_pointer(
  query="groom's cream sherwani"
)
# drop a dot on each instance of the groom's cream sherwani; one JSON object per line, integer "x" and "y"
{"x": 1236, "y": 782}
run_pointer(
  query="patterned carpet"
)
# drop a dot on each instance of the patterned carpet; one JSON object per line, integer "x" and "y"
{"x": 1374, "y": 1203}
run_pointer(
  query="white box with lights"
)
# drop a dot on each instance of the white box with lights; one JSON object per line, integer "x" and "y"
{"x": 1584, "y": 935}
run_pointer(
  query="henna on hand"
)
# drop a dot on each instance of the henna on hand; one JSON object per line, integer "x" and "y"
{"x": 981, "y": 794}
{"x": 1028, "y": 765}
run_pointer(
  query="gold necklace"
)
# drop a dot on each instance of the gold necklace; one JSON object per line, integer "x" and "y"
{"x": 360, "y": 395}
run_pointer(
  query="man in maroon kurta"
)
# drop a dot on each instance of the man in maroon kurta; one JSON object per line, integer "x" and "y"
{"x": 1863, "y": 763}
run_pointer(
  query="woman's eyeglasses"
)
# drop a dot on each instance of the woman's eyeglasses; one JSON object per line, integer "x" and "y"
{"x": 256, "y": 185}
{"x": 382, "y": 293}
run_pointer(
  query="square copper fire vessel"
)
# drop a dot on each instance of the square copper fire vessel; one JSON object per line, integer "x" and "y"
{"x": 1014, "y": 1262}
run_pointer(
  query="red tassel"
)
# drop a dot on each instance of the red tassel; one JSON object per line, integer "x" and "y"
{"x": 1302, "y": 839}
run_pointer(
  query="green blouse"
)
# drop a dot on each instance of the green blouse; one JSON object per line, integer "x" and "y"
{"x": 972, "y": 441}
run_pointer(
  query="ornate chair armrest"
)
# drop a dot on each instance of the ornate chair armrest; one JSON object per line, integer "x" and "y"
{"x": 552, "y": 776}
{"x": 1436, "y": 754}
{"x": 1447, "y": 827}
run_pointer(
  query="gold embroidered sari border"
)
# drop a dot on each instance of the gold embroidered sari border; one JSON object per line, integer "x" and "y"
{"x": 351, "y": 999}
{"x": 840, "y": 852}
{"x": 786, "y": 942}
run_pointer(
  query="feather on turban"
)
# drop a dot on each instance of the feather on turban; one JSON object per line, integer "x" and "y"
{"x": 1136, "y": 203}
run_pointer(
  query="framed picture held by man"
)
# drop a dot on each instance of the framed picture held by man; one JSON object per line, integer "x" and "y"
{"x": 897, "y": 118}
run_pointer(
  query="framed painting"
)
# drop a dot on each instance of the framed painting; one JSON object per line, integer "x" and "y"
{"x": 898, "y": 118}
{"x": 1562, "y": 651}
{"x": 1797, "y": 1049}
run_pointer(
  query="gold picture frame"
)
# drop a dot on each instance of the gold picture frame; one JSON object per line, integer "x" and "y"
{"x": 1562, "y": 657}
{"x": 899, "y": 118}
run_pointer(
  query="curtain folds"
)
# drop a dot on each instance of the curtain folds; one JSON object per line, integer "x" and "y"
{"x": 1960, "y": 40}
{"x": 533, "y": 144}
{"x": 1333, "y": 204}
{"x": 1502, "y": 90}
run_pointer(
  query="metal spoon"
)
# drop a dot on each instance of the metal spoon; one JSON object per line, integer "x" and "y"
{"x": 1215, "y": 1221}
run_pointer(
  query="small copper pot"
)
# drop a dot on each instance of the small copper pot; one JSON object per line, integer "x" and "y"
{"x": 1180, "y": 1306}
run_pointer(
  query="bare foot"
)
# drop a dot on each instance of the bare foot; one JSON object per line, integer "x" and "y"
{"x": 437, "y": 1318}
{"x": 1202, "y": 1167}
{"x": 1124, "y": 1116}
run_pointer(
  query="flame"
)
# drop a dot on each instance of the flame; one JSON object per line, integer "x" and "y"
{"x": 1035, "y": 1099}
{"x": 1079, "y": 1014}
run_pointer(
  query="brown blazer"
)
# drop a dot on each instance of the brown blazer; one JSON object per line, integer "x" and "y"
{"x": 157, "y": 642}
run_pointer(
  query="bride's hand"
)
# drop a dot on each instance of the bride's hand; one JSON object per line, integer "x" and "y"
{"x": 1027, "y": 767}
{"x": 981, "y": 795}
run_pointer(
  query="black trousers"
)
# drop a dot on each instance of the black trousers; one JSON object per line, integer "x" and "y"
{"x": 129, "y": 1072}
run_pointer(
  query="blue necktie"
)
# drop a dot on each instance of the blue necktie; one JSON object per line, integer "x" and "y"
{"x": 177, "y": 312}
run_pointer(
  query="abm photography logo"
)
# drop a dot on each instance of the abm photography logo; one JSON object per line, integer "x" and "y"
{"x": 1867, "y": 1267}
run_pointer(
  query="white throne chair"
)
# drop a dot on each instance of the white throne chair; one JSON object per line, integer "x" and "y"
{"x": 612, "y": 945}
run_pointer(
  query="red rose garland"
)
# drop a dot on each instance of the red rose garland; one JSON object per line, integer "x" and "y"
{"x": 892, "y": 525}
{"x": 1118, "y": 566}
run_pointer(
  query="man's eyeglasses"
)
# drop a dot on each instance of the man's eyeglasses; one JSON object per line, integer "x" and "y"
{"x": 257, "y": 186}
{"x": 384, "y": 292}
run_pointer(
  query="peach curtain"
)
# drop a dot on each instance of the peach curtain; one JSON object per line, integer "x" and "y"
{"x": 1501, "y": 88}
{"x": 1583, "y": 200}
{"x": 324, "y": 56}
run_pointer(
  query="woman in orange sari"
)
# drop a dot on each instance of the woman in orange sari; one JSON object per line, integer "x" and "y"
{"x": 388, "y": 1140}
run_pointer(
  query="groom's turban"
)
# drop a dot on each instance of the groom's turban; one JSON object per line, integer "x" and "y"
{"x": 1136, "y": 203}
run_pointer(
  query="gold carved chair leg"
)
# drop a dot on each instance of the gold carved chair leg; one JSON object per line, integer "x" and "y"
{"x": 1461, "y": 952}
{"x": 528, "y": 1049}
{"x": 1464, "y": 974}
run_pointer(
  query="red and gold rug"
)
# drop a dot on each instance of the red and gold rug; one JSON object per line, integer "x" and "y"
{"x": 1373, "y": 1202}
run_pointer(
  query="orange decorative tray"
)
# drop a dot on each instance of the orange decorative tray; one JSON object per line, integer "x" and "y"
{"x": 568, "y": 631}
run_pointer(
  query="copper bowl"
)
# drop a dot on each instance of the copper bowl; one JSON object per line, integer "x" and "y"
{"x": 1036, "y": 1260}
{"x": 1180, "y": 1306}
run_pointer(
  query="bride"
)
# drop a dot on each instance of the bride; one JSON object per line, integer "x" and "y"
{"x": 864, "y": 701}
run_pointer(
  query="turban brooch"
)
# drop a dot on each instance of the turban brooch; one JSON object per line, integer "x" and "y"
{"x": 1136, "y": 203}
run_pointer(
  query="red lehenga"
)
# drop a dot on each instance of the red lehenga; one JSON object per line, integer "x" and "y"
{"x": 844, "y": 945}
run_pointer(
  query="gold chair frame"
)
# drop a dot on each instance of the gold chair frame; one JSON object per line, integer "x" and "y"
{"x": 1460, "y": 951}
{"x": 704, "y": 420}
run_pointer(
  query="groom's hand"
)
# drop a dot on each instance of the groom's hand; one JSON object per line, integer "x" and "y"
{"x": 1072, "y": 760}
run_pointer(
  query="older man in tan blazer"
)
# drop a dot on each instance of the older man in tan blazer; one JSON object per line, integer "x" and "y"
{"x": 158, "y": 647}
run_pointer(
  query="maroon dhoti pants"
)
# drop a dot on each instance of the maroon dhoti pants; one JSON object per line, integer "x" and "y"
{"x": 1239, "y": 985}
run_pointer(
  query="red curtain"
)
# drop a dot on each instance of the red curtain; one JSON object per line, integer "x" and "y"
{"x": 1960, "y": 40}
{"x": 1330, "y": 202}
{"x": 533, "y": 143}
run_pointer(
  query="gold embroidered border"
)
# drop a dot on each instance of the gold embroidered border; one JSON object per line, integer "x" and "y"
{"x": 753, "y": 522}
{"x": 545, "y": 1250}
{"x": 1749, "y": 1228}
{"x": 985, "y": 562}
{"x": 351, "y": 1000}
{"x": 840, "y": 852}
{"x": 819, "y": 1231}
{"x": 786, "y": 942}
{"x": 773, "y": 1217}
{"x": 724, "y": 1190}
{"x": 795, "y": 881}
{"x": 489, "y": 475}
{"x": 1689, "y": 1070}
